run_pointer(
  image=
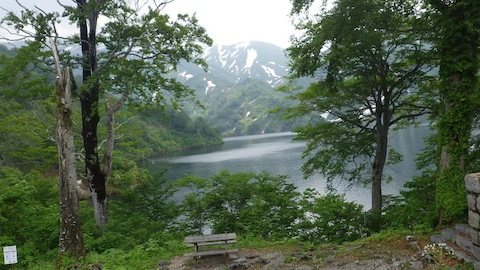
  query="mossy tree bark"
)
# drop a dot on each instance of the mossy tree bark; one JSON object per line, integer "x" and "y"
{"x": 458, "y": 46}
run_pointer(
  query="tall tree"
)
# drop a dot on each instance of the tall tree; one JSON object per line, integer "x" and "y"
{"x": 136, "y": 45}
{"x": 458, "y": 45}
{"x": 71, "y": 233}
{"x": 371, "y": 70}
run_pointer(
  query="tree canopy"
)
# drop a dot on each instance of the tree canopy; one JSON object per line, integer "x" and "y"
{"x": 125, "y": 60}
{"x": 373, "y": 71}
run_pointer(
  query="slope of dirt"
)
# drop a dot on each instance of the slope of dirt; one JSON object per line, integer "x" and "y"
{"x": 395, "y": 253}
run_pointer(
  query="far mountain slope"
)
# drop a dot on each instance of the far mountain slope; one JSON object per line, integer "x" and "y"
{"x": 238, "y": 90}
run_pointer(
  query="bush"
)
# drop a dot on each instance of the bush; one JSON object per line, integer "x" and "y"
{"x": 29, "y": 214}
{"x": 329, "y": 218}
{"x": 259, "y": 205}
{"x": 267, "y": 207}
{"x": 415, "y": 207}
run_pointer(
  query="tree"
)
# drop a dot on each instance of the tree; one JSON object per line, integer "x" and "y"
{"x": 372, "y": 69}
{"x": 25, "y": 96}
{"x": 71, "y": 233}
{"x": 458, "y": 45}
{"x": 130, "y": 56}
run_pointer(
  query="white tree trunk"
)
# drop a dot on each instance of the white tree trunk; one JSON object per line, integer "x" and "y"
{"x": 71, "y": 235}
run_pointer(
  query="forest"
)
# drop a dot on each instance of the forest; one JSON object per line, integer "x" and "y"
{"x": 75, "y": 127}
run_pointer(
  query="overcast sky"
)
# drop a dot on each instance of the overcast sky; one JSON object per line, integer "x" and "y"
{"x": 227, "y": 21}
{"x": 233, "y": 21}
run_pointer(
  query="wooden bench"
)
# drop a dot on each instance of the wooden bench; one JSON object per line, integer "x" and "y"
{"x": 222, "y": 240}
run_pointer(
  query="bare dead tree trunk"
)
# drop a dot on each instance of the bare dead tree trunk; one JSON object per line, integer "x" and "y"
{"x": 101, "y": 209}
{"x": 109, "y": 144}
{"x": 71, "y": 235}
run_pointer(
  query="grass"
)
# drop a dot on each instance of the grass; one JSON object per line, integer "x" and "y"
{"x": 386, "y": 245}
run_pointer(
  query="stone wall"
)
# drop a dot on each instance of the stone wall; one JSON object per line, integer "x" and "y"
{"x": 472, "y": 184}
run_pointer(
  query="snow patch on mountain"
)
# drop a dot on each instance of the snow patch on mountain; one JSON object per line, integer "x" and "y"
{"x": 185, "y": 75}
{"x": 243, "y": 45}
{"x": 251, "y": 56}
{"x": 210, "y": 86}
{"x": 270, "y": 71}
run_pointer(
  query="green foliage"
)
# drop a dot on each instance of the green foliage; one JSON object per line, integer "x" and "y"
{"x": 194, "y": 207}
{"x": 247, "y": 107}
{"x": 141, "y": 45}
{"x": 334, "y": 149}
{"x": 329, "y": 218}
{"x": 27, "y": 136}
{"x": 150, "y": 204}
{"x": 267, "y": 207}
{"x": 245, "y": 203}
{"x": 172, "y": 130}
{"x": 373, "y": 75}
{"x": 29, "y": 214}
{"x": 154, "y": 200}
{"x": 458, "y": 46}
{"x": 26, "y": 115}
{"x": 415, "y": 207}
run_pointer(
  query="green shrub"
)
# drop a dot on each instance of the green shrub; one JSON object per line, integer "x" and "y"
{"x": 415, "y": 207}
{"x": 267, "y": 207}
{"x": 29, "y": 214}
{"x": 260, "y": 205}
{"x": 329, "y": 218}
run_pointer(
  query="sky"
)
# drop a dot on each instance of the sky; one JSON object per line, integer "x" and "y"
{"x": 234, "y": 21}
{"x": 226, "y": 21}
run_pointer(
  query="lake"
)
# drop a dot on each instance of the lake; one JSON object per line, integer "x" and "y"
{"x": 279, "y": 155}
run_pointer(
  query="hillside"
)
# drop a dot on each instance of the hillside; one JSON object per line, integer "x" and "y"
{"x": 238, "y": 90}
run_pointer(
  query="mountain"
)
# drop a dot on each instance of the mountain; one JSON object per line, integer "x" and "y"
{"x": 238, "y": 90}
{"x": 234, "y": 63}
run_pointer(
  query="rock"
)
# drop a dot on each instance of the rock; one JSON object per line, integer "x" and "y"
{"x": 240, "y": 263}
{"x": 449, "y": 234}
{"x": 163, "y": 265}
{"x": 300, "y": 256}
{"x": 472, "y": 182}
{"x": 416, "y": 265}
{"x": 413, "y": 245}
{"x": 438, "y": 239}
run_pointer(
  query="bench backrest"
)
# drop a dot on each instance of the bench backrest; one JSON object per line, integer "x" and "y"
{"x": 210, "y": 237}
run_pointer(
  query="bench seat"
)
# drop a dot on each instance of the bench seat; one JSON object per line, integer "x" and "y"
{"x": 210, "y": 240}
{"x": 200, "y": 244}
{"x": 209, "y": 252}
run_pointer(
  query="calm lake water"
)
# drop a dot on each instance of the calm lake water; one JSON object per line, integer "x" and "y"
{"x": 279, "y": 155}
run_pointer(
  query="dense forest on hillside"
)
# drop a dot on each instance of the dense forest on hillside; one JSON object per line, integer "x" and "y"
{"x": 376, "y": 77}
{"x": 28, "y": 98}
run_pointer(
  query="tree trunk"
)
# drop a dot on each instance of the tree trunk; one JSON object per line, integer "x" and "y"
{"x": 71, "y": 235}
{"x": 110, "y": 142}
{"x": 374, "y": 222}
{"x": 459, "y": 65}
{"x": 101, "y": 207}
{"x": 94, "y": 173}
{"x": 90, "y": 117}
